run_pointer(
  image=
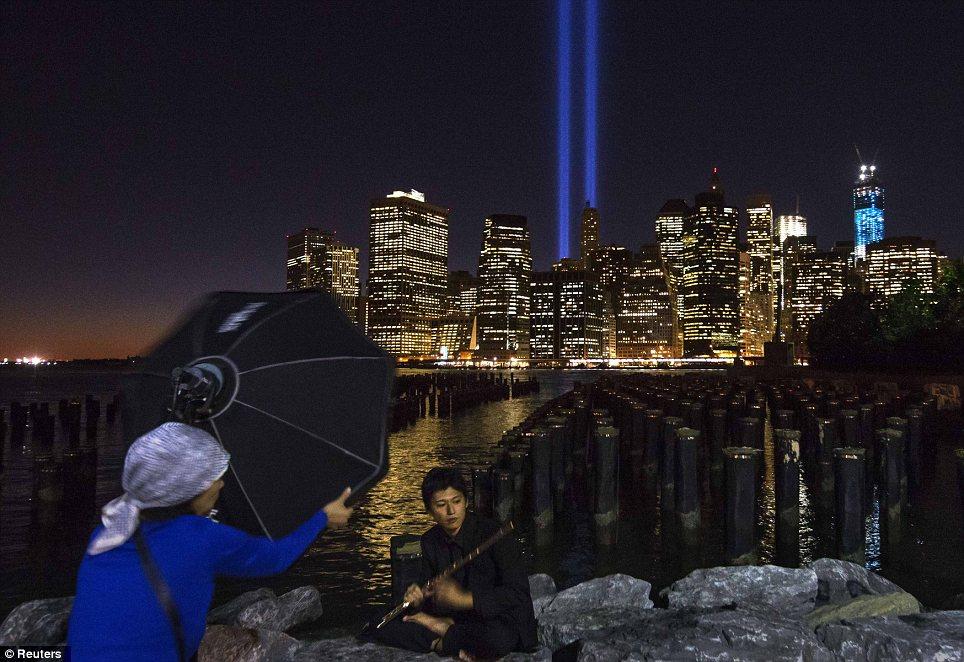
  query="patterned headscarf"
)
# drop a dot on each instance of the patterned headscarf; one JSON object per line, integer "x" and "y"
{"x": 169, "y": 465}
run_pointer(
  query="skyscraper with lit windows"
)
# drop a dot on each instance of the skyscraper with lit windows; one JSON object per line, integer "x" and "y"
{"x": 868, "y": 210}
{"x": 669, "y": 238}
{"x": 566, "y": 318}
{"x": 711, "y": 317}
{"x": 816, "y": 280}
{"x": 408, "y": 272}
{"x": 645, "y": 326}
{"x": 505, "y": 271}
{"x": 588, "y": 231}
{"x": 895, "y": 262}
{"x": 316, "y": 259}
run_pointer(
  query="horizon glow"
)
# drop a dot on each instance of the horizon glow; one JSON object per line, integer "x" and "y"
{"x": 591, "y": 84}
{"x": 564, "y": 149}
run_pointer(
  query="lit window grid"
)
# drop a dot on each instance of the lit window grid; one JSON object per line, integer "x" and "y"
{"x": 818, "y": 281}
{"x": 891, "y": 267}
{"x": 505, "y": 269}
{"x": 408, "y": 274}
{"x": 710, "y": 281}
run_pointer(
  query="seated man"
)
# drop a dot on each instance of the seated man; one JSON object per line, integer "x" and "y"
{"x": 485, "y": 609}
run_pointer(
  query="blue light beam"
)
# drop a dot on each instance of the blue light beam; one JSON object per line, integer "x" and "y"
{"x": 591, "y": 83}
{"x": 564, "y": 101}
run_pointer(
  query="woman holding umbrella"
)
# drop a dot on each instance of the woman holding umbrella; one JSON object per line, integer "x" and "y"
{"x": 145, "y": 584}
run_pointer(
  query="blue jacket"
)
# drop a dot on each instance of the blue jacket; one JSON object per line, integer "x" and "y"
{"x": 116, "y": 615}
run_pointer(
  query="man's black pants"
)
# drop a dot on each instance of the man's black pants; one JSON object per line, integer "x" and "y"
{"x": 482, "y": 638}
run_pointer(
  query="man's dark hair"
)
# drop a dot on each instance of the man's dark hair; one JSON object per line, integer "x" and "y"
{"x": 442, "y": 478}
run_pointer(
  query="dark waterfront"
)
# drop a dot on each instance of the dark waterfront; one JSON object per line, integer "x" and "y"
{"x": 41, "y": 547}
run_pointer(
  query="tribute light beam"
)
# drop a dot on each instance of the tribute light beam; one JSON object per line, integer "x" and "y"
{"x": 590, "y": 82}
{"x": 564, "y": 73}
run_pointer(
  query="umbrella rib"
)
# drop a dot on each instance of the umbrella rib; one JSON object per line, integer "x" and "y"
{"x": 327, "y": 358}
{"x": 238, "y": 479}
{"x": 309, "y": 433}
{"x": 262, "y": 321}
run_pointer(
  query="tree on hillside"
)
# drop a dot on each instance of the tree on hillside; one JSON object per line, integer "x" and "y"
{"x": 908, "y": 313}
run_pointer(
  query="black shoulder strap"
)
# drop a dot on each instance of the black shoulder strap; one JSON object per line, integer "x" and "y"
{"x": 161, "y": 590}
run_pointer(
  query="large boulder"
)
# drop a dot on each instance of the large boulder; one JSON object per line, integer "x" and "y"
{"x": 540, "y": 586}
{"x": 224, "y": 642}
{"x": 37, "y": 622}
{"x": 865, "y": 606}
{"x": 840, "y": 581}
{"x": 227, "y": 614}
{"x": 932, "y": 636}
{"x": 705, "y": 634}
{"x": 349, "y": 649}
{"x": 790, "y": 591}
{"x": 591, "y": 606}
{"x": 295, "y": 607}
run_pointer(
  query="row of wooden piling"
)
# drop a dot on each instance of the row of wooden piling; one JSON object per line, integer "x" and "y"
{"x": 444, "y": 394}
{"x": 677, "y": 440}
{"x": 64, "y": 476}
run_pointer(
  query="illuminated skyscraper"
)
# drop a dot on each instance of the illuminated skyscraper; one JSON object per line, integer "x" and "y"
{"x": 505, "y": 269}
{"x": 408, "y": 272}
{"x": 711, "y": 318}
{"x": 894, "y": 262}
{"x": 463, "y": 292}
{"x": 566, "y": 316}
{"x": 786, "y": 226}
{"x": 610, "y": 265}
{"x": 317, "y": 259}
{"x": 588, "y": 231}
{"x": 868, "y": 210}
{"x": 816, "y": 280}
{"x": 669, "y": 237}
{"x": 643, "y": 311}
{"x": 756, "y": 314}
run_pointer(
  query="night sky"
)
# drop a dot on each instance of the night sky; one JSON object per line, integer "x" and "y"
{"x": 155, "y": 152}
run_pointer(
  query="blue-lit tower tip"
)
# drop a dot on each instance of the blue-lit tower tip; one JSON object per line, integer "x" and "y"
{"x": 868, "y": 210}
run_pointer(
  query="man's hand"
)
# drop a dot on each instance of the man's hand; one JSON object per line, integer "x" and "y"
{"x": 338, "y": 513}
{"x": 414, "y": 596}
{"x": 450, "y": 595}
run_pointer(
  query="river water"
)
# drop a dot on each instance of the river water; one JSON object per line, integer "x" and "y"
{"x": 351, "y": 567}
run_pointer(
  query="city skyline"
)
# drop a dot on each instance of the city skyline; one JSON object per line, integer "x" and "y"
{"x": 139, "y": 183}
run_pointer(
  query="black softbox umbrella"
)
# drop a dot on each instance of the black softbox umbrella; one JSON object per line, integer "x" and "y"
{"x": 289, "y": 386}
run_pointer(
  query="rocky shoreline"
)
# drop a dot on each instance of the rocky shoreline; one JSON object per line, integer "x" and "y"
{"x": 830, "y": 610}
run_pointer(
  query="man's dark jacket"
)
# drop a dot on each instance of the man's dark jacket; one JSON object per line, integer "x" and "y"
{"x": 497, "y": 579}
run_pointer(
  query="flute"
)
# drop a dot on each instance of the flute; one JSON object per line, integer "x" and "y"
{"x": 452, "y": 569}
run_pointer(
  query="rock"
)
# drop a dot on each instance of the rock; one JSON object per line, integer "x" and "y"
{"x": 840, "y": 581}
{"x": 284, "y": 612}
{"x": 543, "y": 654}
{"x": 589, "y": 607}
{"x": 37, "y": 622}
{"x": 349, "y": 649}
{"x": 937, "y": 635}
{"x": 892, "y": 604}
{"x": 790, "y": 591}
{"x": 705, "y": 634}
{"x": 541, "y": 585}
{"x": 224, "y": 642}
{"x": 227, "y": 614}
{"x": 613, "y": 591}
